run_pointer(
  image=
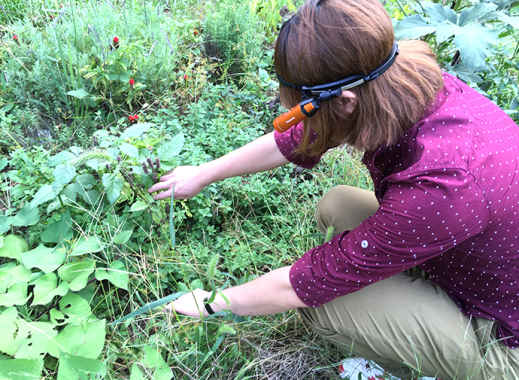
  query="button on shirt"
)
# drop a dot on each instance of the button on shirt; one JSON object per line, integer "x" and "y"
{"x": 449, "y": 201}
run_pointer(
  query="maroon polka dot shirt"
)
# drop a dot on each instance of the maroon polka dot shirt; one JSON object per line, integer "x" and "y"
{"x": 449, "y": 204}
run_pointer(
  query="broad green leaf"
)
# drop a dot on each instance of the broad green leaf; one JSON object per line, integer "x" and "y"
{"x": 136, "y": 373}
{"x": 86, "y": 339}
{"x": 11, "y": 273}
{"x": 152, "y": 358}
{"x": 60, "y": 158}
{"x": 478, "y": 13}
{"x": 76, "y": 274}
{"x": 58, "y": 231}
{"x": 16, "y": 295}
{"x": 446, "y": 31}
{"x": 90, "y": 244}
{"x": 78, "y": 94}
{"x": 226, "y": 329}
{"x": 57, "y": 317}
{"x": 5, "y": 223}
{"x": 73, "y": 367}
{"x": 474, "y": 42}
{"x": 44, "y": 194}
{"x": 75, "y": 307}
{"x": 13, "y": 247}
{"x": 44, "y": 258}
{"x": 413, "y": 27}
{"x": 87, "y": 181}
{"x": 129, "y": 150}
{"x": 113, "y": 185}
{"x": 63, "y": 174}
{"x": 138, "y": 206}
{"x": 168, "y": 150}
{"x": 21, "y": 369}
{"x": 27, "y": 216}
{"x": 8, "y": 330}
{"x": 440, "y": 14}
{"x": 3, "y": 163}
{"x": 135, "y": 131}
{"x": 122, "y": 237}
{"x": 46, "y": 288}
{"x": 34, "y": 339}
{"x": 163, "y": 373}
{"x": 116, "y": 274}
{"x": 70, "y": 191}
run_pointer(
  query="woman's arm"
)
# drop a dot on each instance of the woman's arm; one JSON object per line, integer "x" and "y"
{"x": 269, "y": 294}
{"x": 259, "y": 155}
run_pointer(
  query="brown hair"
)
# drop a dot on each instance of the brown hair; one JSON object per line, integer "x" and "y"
{"x": 328, "y": 40}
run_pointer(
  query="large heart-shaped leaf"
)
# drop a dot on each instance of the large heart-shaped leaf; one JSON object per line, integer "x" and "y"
{"x": 44, "y": 258}
{"x": 73, "y": 367}
{"x": 63, "y": 174}
{"x": 13, "y": 246}
{"x": 35, "y": 339}
{"x": 46, "y": 288}
{"x": 89, "y": 244}
{"x": 76, "y": 273}
{"x": 58, "y": 231}
{"x": 75, "y": 307}
{"x": 8, "y": 330}
{"x": 135, "y": 130}
{"x": 86, "y": 339}
{"x": 11, "y": 273}
{"x": 171, "y": 148}
{"x": 21, "y": 369}
{"x": 5, "y": 223}
{"x": 27, "y": 216}
{"x": 15, "y": 295}
{"x": 116, "y": 274}
{"x": 113, "y": 185}
{"x": 413, "y": 27}
{"x": 474, "y": 42}
{"x": 44, "y": 194}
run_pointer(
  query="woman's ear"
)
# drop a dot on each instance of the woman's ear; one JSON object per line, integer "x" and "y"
{"x": 348, "y": 101}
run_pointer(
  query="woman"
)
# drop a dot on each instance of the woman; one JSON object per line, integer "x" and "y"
{"x": 444, "y": 164}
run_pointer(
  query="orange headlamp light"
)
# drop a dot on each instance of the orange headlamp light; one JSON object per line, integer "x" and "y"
{"x": 314, "y": 95}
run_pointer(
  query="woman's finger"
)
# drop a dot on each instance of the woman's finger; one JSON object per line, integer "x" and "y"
{"x": 162, "y": 195}
{"x": 160, "y": 186}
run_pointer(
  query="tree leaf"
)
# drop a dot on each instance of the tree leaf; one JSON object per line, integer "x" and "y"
{"x": 44, "y": 258}
{"x": 116, "y": 274}
{"x": 44, "y": 194}
{"x": 78, "y": 94}
{"x": 86, "y": 339}
{"x": 113, "y": 185}
{"x": 27, "y": 216}
{"x": 63, "y": 174}
{"x": 13, "y": 247}
{"x": 89, "y": 244}
{"x": 15, "y": 295}
{"x": 21, "y": 369}
{"x": 413, "y": 27}
{"x": 135, "y": 131}
{"x": 73, "y": 367}
{"x": 171, "y": 148}
{"x": 46, "y": 288}
{"x": 76, "y": 274}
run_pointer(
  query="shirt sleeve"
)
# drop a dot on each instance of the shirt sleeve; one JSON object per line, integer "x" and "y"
{"x": 419, "y": 218}
{"x": 288, "y": 142}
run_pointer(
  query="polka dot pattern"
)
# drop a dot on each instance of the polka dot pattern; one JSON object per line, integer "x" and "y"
{"x": 449, "y": 204}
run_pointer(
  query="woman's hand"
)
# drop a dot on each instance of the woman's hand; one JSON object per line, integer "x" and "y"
{"x": 188, "y": 182}
{"x": 191, "y": 304}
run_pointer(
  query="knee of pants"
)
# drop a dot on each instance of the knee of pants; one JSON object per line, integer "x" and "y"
{"x": 345, "y": 207}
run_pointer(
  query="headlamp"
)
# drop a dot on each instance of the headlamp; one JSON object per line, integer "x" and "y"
{"x": 314, "y": 95}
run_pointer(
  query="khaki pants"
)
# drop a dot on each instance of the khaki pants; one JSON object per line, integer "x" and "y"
{"x": 407, "y": 325}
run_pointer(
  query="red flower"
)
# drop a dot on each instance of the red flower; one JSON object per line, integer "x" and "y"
{"x": 340, "y": 368}
{"x": 131, "y": 81}
{"x": 133, "y": 118}
{"x": 185, "y": 77}
{"x": 115, "y": 42}
{"x": 195, "y": 32}
{"x": 15, "y": 37}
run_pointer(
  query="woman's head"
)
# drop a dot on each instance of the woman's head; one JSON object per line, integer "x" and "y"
{"x": 328, "y": 40}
